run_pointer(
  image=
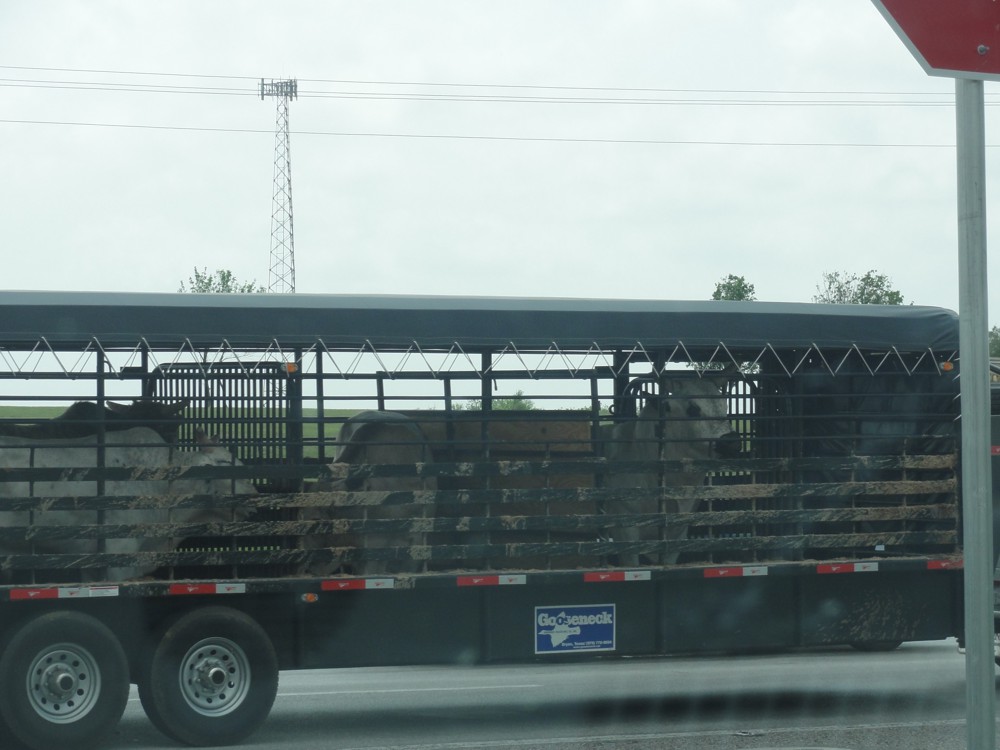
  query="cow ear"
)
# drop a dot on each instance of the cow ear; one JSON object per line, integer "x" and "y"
{"x": 116, "y": 408}
{"x": 718, "y": 382}
{"x": 177, "y": 407}
{"x": 206, "y": 443}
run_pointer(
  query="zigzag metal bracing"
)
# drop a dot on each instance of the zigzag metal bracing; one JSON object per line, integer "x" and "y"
{"x": 425, "y": 356}
{"x": 401, "y": 367}
{"x": 456, "y": 358}
{"x": 226, "y": 354}
{"x": 681, "y": 348}
{"x": 378, "y": 358}
{"x": 43, "y": 353}
{"x": 343, "y": 372}
{"x": 573, "y": 362}
{"x": 847, "y": 356}
{"x": 532, "y": 372}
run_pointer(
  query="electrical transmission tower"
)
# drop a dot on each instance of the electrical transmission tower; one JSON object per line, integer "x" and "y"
{"x": 282, "y": 274}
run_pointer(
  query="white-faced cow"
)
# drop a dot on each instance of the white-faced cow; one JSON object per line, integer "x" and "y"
{"x": 139, "y": 448}
{"x": 694, "y": 425}
{"x": 376, "y": 438}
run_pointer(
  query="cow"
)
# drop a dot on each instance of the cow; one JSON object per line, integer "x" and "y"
{"x": 695, "y": 425}
{"x": 136, "y": 448}
{"x": 375, "y": 437}
{"x": 85, "y": 418}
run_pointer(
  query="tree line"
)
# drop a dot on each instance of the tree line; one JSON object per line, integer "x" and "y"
{"x": 836, "y": 287}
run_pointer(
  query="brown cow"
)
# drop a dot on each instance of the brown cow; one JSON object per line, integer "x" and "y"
{"x": 375, "y": 437}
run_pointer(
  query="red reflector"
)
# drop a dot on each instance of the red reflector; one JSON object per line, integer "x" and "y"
{"x": 945, "y": 564}
{"x": 478, "y": 580}
{"x": 723, "y": 572}
{"x": 835, "y": 568}
{"x": 348, "y": 585}
{"x": 599, "y": 577}
{"x": 28, "y": 594}
{"x": 181, "y": 589}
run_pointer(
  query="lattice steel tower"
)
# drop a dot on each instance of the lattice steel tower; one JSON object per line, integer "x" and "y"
{"x": 282, "y": 274}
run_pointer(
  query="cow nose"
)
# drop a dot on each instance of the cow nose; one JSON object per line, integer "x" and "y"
{"x": 728, "y": 445}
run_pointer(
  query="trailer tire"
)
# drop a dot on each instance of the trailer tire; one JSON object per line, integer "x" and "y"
{"x": 64, "y": 681}
{"x": 212, "y": 677}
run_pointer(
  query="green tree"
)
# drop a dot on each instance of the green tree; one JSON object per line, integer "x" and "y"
{"x": 850, "y": 289}
{"x": 220, "y": 282}
{"x": 734, "y": 287}
{"x": 517, "y": 402}
{"x": 995, "y": 341}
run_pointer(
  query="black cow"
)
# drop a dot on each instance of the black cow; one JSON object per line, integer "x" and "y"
{"x": 84, "y": 417}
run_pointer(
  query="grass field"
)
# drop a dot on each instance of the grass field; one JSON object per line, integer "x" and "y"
{"x": 30, "y": 413}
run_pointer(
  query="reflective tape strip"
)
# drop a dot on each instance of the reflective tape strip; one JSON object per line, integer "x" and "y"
{"x": 945, "y": 564}
{"x": 743, "y": 571}
{"x": 357, "y": 584}
{"x": 478, "y": 580}
{"x": 831, "y": 568}
{"x": 617, "y": 575}
{"x": 513, "y": 580}
{"x": 510, "y": 579}
{"x": 186, "y": 589}
{"x": 64, "y": 592}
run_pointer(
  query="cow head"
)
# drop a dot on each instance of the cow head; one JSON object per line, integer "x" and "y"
{"x": 162, "y": 417}
{"x": 212, "y": 453}
{"x": 698, "y": 423}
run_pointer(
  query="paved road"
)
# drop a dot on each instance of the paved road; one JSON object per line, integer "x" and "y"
{"x": 910, "y": 699}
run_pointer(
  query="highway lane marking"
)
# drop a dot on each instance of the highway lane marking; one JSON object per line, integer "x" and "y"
{"x": 135, "y": 699}
{"x": 408, "y": 690}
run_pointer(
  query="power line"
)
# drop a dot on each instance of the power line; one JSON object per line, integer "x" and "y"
{"x": 124, "y": 72}
{"x": 469, "y": 98}
{"x": 626, "y": 88}
{"x": 494, "y": 85}
{"x": 126, "y": 87}
{"x": 695, "y": 97}
{"x": 520, "y": 139}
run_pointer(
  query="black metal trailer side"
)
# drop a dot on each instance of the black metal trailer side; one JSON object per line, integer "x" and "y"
{"x": 324, "y": 481}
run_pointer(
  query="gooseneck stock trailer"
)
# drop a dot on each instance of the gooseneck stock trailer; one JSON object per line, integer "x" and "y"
{"x": 430, "y": 480}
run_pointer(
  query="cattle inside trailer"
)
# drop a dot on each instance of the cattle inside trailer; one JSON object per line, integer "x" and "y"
{"x": 361, "y": 481}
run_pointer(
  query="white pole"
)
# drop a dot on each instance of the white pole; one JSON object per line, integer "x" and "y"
{"x": 976, "y": 483}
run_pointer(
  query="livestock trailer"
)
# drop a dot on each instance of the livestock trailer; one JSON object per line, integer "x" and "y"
{"x": 306, "y": 481}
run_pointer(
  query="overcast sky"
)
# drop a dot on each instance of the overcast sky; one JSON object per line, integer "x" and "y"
{"x": 576, "y": 148}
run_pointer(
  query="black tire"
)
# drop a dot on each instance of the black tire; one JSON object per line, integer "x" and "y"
{"x": 212, "y": 678}
{"x": 64, "y": 682}
{"x": 876, "y": 646}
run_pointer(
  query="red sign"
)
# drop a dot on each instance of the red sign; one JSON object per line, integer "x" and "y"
{"x": 955, "y": 38}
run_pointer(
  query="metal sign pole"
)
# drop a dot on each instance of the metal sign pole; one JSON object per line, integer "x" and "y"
{"x": 976, "y": 482}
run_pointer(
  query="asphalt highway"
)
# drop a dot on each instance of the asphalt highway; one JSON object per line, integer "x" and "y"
{"x": 910, "y": 698}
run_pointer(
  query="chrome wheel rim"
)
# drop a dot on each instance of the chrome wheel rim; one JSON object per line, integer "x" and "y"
{"x": 214, "y": 677}
{"x": 64, "y": 683}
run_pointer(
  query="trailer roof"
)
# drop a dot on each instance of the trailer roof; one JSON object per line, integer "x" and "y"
{"x": 70, "y": 319}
